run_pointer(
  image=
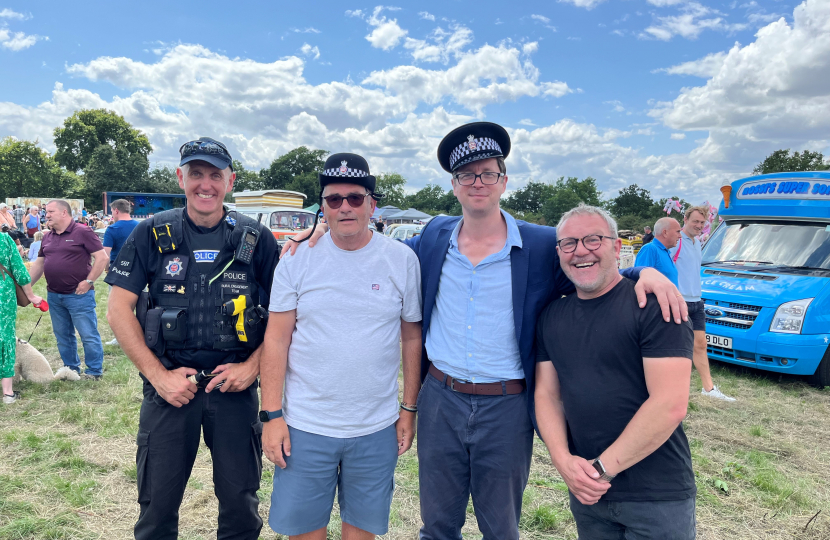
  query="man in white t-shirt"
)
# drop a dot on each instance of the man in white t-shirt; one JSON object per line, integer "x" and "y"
{"x": 343, "y": 315}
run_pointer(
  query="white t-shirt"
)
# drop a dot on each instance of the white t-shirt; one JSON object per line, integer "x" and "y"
{"x": 342, "y": 374}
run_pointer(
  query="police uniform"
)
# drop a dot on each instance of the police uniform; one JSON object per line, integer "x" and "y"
{"x": 204, "y": 306}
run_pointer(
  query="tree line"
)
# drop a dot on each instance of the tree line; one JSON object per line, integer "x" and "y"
{"x": 97, "y": 150}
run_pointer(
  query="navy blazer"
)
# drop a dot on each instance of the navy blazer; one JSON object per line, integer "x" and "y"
{"x": 537, "y": 279}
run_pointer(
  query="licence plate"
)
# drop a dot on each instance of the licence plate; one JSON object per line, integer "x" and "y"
{"x": 719, "y": 341}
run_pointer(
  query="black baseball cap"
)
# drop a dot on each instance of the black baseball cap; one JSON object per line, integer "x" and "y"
{"x": 207, "y": 150}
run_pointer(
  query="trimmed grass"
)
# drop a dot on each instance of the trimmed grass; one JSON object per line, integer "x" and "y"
{"x": 67, "y": 460}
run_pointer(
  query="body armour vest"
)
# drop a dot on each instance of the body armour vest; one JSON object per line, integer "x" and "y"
{"x": 196, "y": 310}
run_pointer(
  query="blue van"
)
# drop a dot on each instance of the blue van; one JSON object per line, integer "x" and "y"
{"x": 766, "y": 275}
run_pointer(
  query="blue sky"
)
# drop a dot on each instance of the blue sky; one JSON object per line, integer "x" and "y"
{"x": 676, "y": 96}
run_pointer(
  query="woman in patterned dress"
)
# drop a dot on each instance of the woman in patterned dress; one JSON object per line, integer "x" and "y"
{"x": 10, "y": 258}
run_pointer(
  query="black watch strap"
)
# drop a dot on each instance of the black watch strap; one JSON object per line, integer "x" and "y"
{"x": 267, "y": 416}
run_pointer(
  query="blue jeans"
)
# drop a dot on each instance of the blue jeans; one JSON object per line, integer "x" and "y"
{"x": 635, "y": 520}
{"x": 77, "y": 311}
{"x": 472, "y": 445}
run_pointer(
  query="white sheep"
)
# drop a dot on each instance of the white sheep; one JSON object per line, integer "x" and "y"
{"x": 30, "y": 365}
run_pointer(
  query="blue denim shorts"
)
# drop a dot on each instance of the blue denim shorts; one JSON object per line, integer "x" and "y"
{"x": 360, "y": 469}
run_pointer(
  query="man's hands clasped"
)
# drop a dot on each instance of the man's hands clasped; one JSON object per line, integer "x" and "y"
{"x": 582, "y": 479}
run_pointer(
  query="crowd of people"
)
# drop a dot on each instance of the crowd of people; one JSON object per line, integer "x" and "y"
{"x": 500, "y": 327}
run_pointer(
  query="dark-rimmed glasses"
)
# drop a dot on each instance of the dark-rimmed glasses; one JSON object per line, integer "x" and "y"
{"x": 355, "y": 200}
{"x": 592, "y": 242}
{"x": 487, "y": 178}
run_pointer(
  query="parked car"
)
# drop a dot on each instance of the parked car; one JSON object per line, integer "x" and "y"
{"x": 402, "y": 232}
{"x": 284, "y": 221}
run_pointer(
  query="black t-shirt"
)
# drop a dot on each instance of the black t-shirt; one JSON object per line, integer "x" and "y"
{"x": 597, "y": 347}
{"x": 202, "y": 241}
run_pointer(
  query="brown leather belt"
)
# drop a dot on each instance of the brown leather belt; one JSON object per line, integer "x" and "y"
{"x": 513, "y": 386}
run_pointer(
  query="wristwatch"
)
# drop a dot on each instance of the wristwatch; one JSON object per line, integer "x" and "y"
{"x": 603, "y": 474}
{"x": 267, "y": 416}
{"x": 91, "y": 283}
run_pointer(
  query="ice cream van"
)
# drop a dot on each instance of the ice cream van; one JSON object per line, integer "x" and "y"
{"x": 765, "y": 275}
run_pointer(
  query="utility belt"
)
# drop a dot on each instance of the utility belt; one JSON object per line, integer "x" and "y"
{"x": 167, "y": 328}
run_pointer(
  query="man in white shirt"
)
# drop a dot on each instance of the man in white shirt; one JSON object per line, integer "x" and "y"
{"x": 343, "y": 316}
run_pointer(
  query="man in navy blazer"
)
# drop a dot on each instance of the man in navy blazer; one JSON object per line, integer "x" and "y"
{"x": 485, "y": 278}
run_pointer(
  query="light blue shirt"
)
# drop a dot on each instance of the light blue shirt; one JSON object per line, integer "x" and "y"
{"x": 471, "y": 335}
{"x": 656, "y": 255}
{"x": 688, "y": 266}
{"x": 33, "y": 251}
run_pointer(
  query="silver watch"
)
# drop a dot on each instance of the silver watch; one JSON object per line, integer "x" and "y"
{"x": 90, "y": 281}
{"x": 603, "y": 474}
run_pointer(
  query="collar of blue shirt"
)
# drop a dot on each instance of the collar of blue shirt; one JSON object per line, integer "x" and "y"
{"x": 513, "y": 236}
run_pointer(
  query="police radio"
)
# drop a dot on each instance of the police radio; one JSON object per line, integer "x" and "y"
{"x": 245, "y": 251}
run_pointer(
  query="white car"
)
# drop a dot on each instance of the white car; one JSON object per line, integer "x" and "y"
{"x": 402, "y": 232}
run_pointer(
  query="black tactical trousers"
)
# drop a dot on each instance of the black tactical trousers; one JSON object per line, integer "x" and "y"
{"x": 168, "y": 438}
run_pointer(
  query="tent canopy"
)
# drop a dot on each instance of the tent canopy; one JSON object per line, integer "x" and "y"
{"x": 408, "y": 215}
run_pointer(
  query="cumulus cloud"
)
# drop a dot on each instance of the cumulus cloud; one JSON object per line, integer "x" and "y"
{"x": 310, "y": 51}
{"x": 545, "y": 21}
{"x": 426, "y": 15}
{"x": 678, "y": 136}
{"x": 386, "y": 34}
{"x": 441, "y": 45}
{"x": 616, "y": 105}
{"x": 664, "y": 3}
{"x": 694, "y": 19}
{"x": 530, "y": 48}
{"x": 705, "y": 67}
{"x": 773, "y": 93}
{"x": 555, "y": 89}
{"x": 309, "y": 30}
{"x": 587, "y": 4}
{"x": 17, "y": 41}
{"x": 355, "y": 13}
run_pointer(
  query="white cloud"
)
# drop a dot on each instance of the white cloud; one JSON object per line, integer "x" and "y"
{"x": 540, "y": 18}
{"x": 678, "y": 136}
{"x": 17, "y": 41}
{"x": 355, "y": 13}
{"x": 426, "y": 15}
{"x": 616, "y": 104}
{"x": 6, "y": 13}
{"x": 694, "y": 19}
{"x": 308, "y": 50}
{"x": 705, "y": 67}
{"x": 664, "y": 3}
{"x": 309, "y": 30}
{"x": 526, "y": 122}
{"x": 441, "y": 45}
{"x": 773, "y": 93}
{"x": 587, "y": 4}
{"x": 530, "y": 48}
{"x": 386, "y": 34}
{"x": 555, "y": 89}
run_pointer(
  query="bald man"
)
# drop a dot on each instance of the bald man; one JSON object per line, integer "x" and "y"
{"x": 656, "y": 254}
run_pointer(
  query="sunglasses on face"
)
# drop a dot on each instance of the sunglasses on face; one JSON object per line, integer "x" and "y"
{"x": 355, "y": 201}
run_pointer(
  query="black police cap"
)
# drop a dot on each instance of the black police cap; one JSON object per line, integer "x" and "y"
{"x": 472, "y": 142}
{"x": 346, "y": 168}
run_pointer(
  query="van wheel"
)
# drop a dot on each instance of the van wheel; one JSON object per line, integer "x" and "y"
{"x": 821, "y": 377}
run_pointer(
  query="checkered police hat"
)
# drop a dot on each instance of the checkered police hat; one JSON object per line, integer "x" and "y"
{"x": 346, "y": 169}
{"x": 472, "y": 142}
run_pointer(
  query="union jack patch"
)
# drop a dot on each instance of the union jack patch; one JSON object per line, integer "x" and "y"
{"x": 169, "y": 288}
{"x": 375, "y": 287}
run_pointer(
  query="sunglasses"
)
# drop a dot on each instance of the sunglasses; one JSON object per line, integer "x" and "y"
{"x": 203, "y": 147}
{"x": 355, "y": 201}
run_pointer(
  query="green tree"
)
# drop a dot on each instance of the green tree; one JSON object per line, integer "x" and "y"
{"x": 163, "y": 180}
{"x": 26, "y": 170}
{"x": 112, "y": 169}
{"x": 632, "y": 200}
{"x": 782, "y": 161}
{"x": 246, "y": 179}
{"x": 430, "y": 198}
{"x": 567, "y": 194}
{"x": 89, "y": 129}
{"x": 391, "y": 185}
{"x": 296, "y": 171}
{"x": 528, "y": 199}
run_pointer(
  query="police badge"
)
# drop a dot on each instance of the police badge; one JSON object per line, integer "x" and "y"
{"x": 471, "y": 142}
{"x": 344, "y": 167}
{"x": 174, "y": 267}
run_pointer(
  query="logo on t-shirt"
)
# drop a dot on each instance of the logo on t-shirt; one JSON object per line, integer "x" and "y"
{"x": 205, "y": 255}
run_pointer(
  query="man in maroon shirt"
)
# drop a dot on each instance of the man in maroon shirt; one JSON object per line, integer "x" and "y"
{"x": 64, "y": 258}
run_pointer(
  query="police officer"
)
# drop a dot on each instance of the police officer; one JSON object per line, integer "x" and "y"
{"x": 196, "y": 338}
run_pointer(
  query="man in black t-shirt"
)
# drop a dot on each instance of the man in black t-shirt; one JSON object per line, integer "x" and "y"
{"x": 612, "y": 386}
{"x": 188, "y": 340}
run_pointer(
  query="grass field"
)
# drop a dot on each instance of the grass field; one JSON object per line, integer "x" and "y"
{"x": 67, "y": 460}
